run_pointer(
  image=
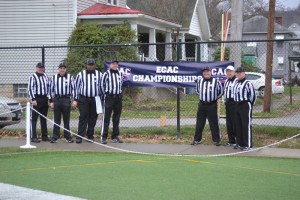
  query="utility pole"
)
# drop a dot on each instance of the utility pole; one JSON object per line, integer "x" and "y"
{"x": 269, "y": 60}
{"x": 236, "y": 30}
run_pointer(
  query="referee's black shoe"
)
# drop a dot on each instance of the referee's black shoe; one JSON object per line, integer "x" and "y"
{"x": 78, "y": 140}
{"x": 195, "y": 142}
{"x": 116, "y": 140}
{"x": 35, "y": 140}
{"x": 103, "y": 141}
{"x": 46, "y": 139}
{"x": 218, "y": 144}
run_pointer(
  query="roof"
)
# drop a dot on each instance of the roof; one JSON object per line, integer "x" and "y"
{"x": 170, "y": 15}
{"x": 104, "y": 9}
{"x": 259, "y": 24}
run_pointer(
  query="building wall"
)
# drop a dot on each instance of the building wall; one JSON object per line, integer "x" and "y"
{"x": 33, "y": 23}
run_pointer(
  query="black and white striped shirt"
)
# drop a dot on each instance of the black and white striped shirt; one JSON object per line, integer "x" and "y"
{"x": 209, "y": 90}
{"x": 244, "y": 91}
{"x": 62, "y": 85}
{"x": 38, "y": 85}
{"x": 112, "y": 82}
{"x": 228, "y": 88}
{"x": 88, "y": 84}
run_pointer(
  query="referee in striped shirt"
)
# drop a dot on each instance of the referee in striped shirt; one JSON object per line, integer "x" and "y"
{"x": 230, "y": 105}
{"x": 244, "y": 97}
{"x": 112, "y": 85}
{"x": 61, "y": 89}
{"x": 38, "y": 87}
{"x": 209, "y": 90}
{"x": 87, "y": 86}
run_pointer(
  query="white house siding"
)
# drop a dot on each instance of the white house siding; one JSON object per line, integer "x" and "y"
{"x": 33, "y": 23}
{"x": 84, "y": 4}
{"x": 195, "y": 25}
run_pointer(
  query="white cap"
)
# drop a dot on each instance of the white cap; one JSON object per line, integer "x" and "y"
{"x": 230, "y": 67}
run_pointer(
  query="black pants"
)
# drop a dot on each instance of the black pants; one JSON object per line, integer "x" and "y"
{"x": 230, "y": 121}
{"x": 210, "y": 112}
{"x": 87, "y": 116}
{"x": 62, "y": 107}
{"x": 243, "y": 124}
{"x": 112, "y": 103}
{"x": 42, "y": 107}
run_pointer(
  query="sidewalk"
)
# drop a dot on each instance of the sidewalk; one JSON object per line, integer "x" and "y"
{"x": 172, "y": 149}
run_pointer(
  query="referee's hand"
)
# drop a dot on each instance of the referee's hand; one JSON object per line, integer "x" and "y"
{"x": 74, "y": 104}
{"x": 52, "y": 105}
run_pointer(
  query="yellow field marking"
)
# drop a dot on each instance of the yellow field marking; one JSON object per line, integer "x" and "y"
{"x": 81, "y": 165}
{"x": 240, "y": 167}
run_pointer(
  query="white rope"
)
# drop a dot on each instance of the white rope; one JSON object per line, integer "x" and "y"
{"x": 161, "y": 154}
{"x": 12, "y": 111}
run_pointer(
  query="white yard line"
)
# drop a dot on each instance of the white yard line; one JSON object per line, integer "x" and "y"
{"x": 12, "y": 192}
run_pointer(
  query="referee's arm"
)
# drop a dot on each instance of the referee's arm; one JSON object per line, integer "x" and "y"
{"x": 31, "y": 88}
{"x": 103, "y": 83}
{"x": 77, "y": 86}
{"x": 220, "y": 89}
{"x": 51, "y": 89}
{"x": 251, "y": 92}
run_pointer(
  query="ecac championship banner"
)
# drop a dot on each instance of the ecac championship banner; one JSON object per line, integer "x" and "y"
{"x": 168, "y": 74}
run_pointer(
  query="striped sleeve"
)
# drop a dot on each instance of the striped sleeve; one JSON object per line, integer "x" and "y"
{"x": 77, "y": 84}
{"x": 198, "y": 87}
{"x": 104, "y": 82}
{"x": 220, "y": 90}
{"x": 251, "y": 92}
{"x": 31, "y": 87}
{"x": 51, "y": 88}
{"x": 72, "y": 87}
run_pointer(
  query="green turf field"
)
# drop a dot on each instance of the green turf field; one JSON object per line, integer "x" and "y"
{"x": 129, "y": 176}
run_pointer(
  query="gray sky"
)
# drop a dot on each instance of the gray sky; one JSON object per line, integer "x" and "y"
{"x": 290, "y": 3}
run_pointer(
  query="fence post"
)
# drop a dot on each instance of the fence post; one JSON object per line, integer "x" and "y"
{"x": 43, "y": 55}
{"x": 178, "y": 95}
{"x": 27, "y": 145}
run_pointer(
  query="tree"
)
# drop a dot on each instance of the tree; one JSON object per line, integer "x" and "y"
{"x": 92, "y": 34}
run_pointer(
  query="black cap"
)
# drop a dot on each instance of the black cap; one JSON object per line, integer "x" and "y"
{"x": 90, "y": 62}
{"x": 114, "y": 60}
{"x": 40, "y": 64}
{"x": 206, "y": 68}
{"x": 62, "y": 65}
{"x": 240, "y": 69}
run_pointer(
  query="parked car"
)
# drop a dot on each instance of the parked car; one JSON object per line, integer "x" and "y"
{"x": 10, "y": 111}
{"x": 258, "y": 80}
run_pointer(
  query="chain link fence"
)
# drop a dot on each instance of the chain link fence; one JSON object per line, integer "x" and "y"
{"x": 160, "y": 109}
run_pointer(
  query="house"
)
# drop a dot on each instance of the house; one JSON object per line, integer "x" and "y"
{"x": 148, "y": 25}
{"x": 32, "y": 23}
{"x": 255, "y": 28}
{"x": 27, "y": 23}
{"x": 295, "y": 54}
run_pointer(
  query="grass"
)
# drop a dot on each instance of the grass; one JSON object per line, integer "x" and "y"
{"x": 128, "y": 176}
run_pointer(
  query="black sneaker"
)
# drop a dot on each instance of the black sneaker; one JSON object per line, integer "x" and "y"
{"x": 91, "y": 140}
{"x": 69, "y": 140}
{"x": 78, "y": 140}
{"x": 103, "y": 141}
{"x": 35, "y": 140}
{"x": 195, "y": 142}
{"x": 53, "y": 140}
{"x": 46, "y": 139}
{"x": 218, "y": 144}
{"x": 229, "y": 144}
{"x": 236, "y": 146}
{"x": 116, "y": 140}
{"x": 246, "y": 148}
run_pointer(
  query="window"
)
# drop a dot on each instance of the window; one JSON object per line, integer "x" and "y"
{"x": 252, "y": 77}
{"x": 20, "y": 90}
{"x": 112, "y": 2}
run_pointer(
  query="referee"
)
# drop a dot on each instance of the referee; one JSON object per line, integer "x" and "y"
{"x": 38, "y": 87}
{"x": 61, "y": 89}
{"x": 244, "y": 97}
{"x": 88, "y": 86}
{"x": 112, "y": 85}
{"x": 209, "y": 90}
{"x": 230, "y": 105}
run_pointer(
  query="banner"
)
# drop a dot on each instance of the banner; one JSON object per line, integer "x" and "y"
{"x": 168, "y": 74}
